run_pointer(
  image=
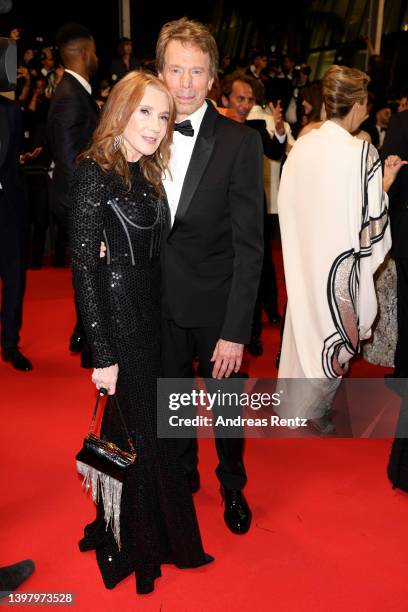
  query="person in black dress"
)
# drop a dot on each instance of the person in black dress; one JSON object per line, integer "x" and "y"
{"x": 117, "y": 197}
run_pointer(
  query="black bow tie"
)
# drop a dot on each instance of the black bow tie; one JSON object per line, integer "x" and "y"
{"x": 184, "y": 128}
{"x": 382, "y": 129}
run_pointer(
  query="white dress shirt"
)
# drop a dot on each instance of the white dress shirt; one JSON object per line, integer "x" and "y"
{"x": 181, "y": 151}
{"x": 81, "y": 80}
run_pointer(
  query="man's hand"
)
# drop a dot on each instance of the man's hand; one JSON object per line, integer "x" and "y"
{"x": 106, "y": 378}
{"x": 227, "y": 357}
{"x": 277, "y": 117}
{"x": 392, "y": 166}
{"x": 102, "y": 250}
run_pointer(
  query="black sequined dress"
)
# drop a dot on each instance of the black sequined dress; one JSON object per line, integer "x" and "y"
{"x": 119, "y": 298}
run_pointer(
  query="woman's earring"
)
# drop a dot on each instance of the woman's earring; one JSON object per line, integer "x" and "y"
{"x": 117, "y": 141}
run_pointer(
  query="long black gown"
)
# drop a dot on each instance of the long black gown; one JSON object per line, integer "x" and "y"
{"x": 119, "y": 297}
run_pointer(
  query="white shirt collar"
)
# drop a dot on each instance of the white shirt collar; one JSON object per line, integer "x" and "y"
{"x": 81, "y": 80}
{"x": 181, "y": 152}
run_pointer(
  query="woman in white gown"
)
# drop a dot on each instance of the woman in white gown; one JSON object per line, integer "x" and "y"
{"x": 335, "y": 234}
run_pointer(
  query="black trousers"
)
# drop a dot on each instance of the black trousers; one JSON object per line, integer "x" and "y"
{"x": 12, "y": 274}
{"x": 60, "y": 219}
{"x": 36, "y": 179}
{"x": 61, "y": 244}
{"x": 267, "y": 297}
{"x": 179, "y": 348}
{"x": 401, "y": 351}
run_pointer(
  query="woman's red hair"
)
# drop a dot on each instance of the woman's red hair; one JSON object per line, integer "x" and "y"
{"x": 121, "y": 103}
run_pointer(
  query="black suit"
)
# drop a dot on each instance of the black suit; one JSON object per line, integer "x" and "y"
{"x": 12, "y": 225}
{"x": 396, "y": 143}
{"x": 72, "y": 118}
{"x": 268, "y": 289}
{"x": 212, "y": 261}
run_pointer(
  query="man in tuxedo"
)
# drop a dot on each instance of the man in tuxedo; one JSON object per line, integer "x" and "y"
{"x": 72, "y": 118}
{"x": 396, "y": 143}
{"x": 212, "y": 256}
{"x": 239, "y": 94}
{"x": 12, "y": 235}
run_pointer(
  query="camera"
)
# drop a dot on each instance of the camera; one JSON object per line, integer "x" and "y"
{"x": 8, "y": 64}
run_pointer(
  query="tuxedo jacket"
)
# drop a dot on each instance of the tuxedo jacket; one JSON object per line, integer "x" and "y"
{"x": 396, "y": 143}
{"x": 12, "y": 199}
{"x": 72, "y": 118}
{"x": 272, "y": 148}
{"x": 212, "y": 256}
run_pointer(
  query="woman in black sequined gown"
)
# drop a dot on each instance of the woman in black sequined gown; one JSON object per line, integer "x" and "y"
{"x": 119, "y": 297}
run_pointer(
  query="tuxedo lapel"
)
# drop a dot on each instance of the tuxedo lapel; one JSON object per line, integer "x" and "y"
{"x": 200, "y": 157}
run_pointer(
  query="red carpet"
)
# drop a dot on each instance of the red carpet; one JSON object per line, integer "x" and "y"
{"x": 328, "y": 531}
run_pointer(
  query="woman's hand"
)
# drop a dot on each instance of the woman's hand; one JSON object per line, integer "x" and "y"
{"x": 106, "y": 378}
{"x": 392, "y": 166}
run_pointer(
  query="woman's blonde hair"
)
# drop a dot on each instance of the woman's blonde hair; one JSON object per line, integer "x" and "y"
{"x": 188, "y": 32}
{"x": 342, "y": 88}
{"x": 121, "y": 103}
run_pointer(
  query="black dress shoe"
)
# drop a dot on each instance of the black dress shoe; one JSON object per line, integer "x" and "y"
{"x": 194, "y": 481}
{"x": 12, "y": 576}
{"x": 237, "y": 514}
{"x": 76, "y": 342}
{"x": 255, "y": 347}
{"x": 17, "y": 359}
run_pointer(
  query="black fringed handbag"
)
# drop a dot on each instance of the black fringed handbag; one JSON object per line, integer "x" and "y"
{"x": 103, "y": 466}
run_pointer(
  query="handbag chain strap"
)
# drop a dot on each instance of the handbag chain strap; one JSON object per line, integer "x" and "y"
{"x": 101, "y": 393}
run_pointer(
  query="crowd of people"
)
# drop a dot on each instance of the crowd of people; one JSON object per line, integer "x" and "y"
{"x": 168, "y": 286}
